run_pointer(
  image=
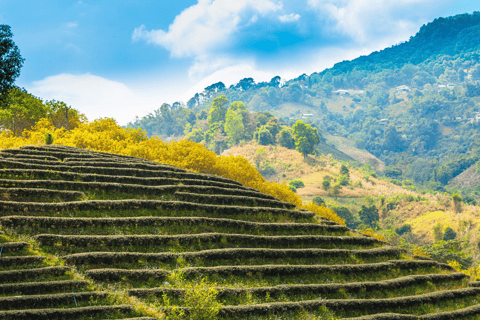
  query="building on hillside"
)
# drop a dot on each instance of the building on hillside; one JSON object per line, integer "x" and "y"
{"x": 450, "y": 86}
{"x": 403, "y": 89}
{"x": 441, "y": 86}
{"x": 307, "y": 115}
{"x": 383, "y": 122}
{"x": 341, "y": 91}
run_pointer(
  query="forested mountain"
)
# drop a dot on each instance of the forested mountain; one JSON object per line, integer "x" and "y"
{"x": 414, "y": 105}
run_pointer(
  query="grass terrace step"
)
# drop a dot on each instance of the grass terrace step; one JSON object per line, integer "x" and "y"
{"x": 29, "y": 288}
{"x": 87, "y": 177}
{"x": 109, "y": 274}
{"x": 9, "y": 247}
{"x": 349, "y": 306}
{"x": 172, "y": 225}
{"x": 232, "y": 200}
{"x": 49, "y": 300}
{"x": 317, "y": 289}
{"x": 325, "y": 256}
{"x": 71, "y": 313}
{"x": 26, "y": 208}
{"x": 31, "y": 274}
{"x": 130, "y": 188}
{"x": 39, "y": 194}
{"x": 19, "y": 260}
{"x": 162, "y": 242}
{"x": 472, "y": 312}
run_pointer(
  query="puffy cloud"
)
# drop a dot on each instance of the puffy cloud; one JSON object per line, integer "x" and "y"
{"x": 99, "y": 97}
{"x": 206, "y": 26}
{"x": 366, "y": 21}
{"x": 292, "y": 17}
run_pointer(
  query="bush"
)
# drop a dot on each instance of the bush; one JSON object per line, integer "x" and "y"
{"x": 292, "y": 188}
{"x": 318, "y": 201}
{"x": 343, "y": 181}
{"x": 48, "y": 138}
{"x": 406, "y": 228}
{"x": 297, "y": 183}
{"x": 369, "y": 215}
{"x": 449, "y": 234}
{"x": 326, "y": 184}
{"x": 344, "y": 170}
{"x": 346, "y": 215}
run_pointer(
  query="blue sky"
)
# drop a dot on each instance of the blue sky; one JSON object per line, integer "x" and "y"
{"x": 124, "y": 58}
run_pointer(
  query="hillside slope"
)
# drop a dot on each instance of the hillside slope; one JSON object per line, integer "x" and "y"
{"x": 469, "y": 178}
{"x": 130, "y": 236}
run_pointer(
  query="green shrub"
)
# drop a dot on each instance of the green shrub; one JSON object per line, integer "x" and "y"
{"x": 343, "y": 181}
{"x": 318, "y": 201}
{"x": 292, "y": 188}
{"x": 345, "y": 214}
{"x": 449, "y": 234}
{"x": 344, "y": 170}
{"x": 406, "y": 228}
{"x": 326, "y": 184}
{"x": 297, "y": 183}
{"x": 48, "y": 138}
{"x": 369, "y": 215}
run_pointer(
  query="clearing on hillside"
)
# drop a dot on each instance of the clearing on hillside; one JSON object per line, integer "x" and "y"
{"x": 93, "y": 235}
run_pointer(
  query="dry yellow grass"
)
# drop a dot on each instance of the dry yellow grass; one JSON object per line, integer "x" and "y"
{"x": 312, "y": 171}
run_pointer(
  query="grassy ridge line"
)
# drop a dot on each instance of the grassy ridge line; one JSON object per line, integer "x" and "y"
{"x": 30, "y": 157}
{"x": 48, "y": 300}
{"x": 351, "y": 304}
{"x": 13, "y": 246}
{"x": 61, "y": 314}
{"x": 85, "y": 163}
{"x": 88, "y": 177}
{"x": 41, "y": 287}
{"x": 25, "y": 207}
{"x": 446, "y": 315}
{"x": 15, "y": 221}
{"x": 66, "y": 195}
{"x": 154, "y": 240}
{"x": 116, "y": 274}
{"x": 20, "y": 275}
{"x": 80, "y": 151}
{"x": 231, "y": 200}
{"x": 316, "y": 288}
{"x": 20, "y": 260}
{"x": 130, "y": 188}
{"x": 226, "y": 254}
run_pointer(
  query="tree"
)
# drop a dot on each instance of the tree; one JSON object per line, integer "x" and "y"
{"x": 21, "y": 110}
{"x": 218, "y": 110}
{"x": 263, "y": 136}
{"x": 369, "y": 215}
{"x": 344, "y": 170}
{"x": 10, "y": 59}
{"x": 449, "y": 234}
{"x": 306, "y": 137}
{"x": 234, "y": 127}
{"x": 285, "y": 138}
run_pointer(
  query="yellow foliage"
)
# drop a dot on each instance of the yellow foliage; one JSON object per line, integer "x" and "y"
{"x": 419, "y": 252}
{"x": 370, "y": 232}
{"x": 473, "y": 272}
{"x": 107, "y": 136}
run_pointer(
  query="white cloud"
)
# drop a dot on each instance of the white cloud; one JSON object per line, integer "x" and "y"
{"x": 100, "y": 97}
{"x": 206, "y": 26}
{"x": 292, "y": 17}
{"x": 71, "y": 24}
{"x": 363, "y": 21}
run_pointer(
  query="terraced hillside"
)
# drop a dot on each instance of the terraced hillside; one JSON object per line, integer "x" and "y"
{"x": 92, "y": 235}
